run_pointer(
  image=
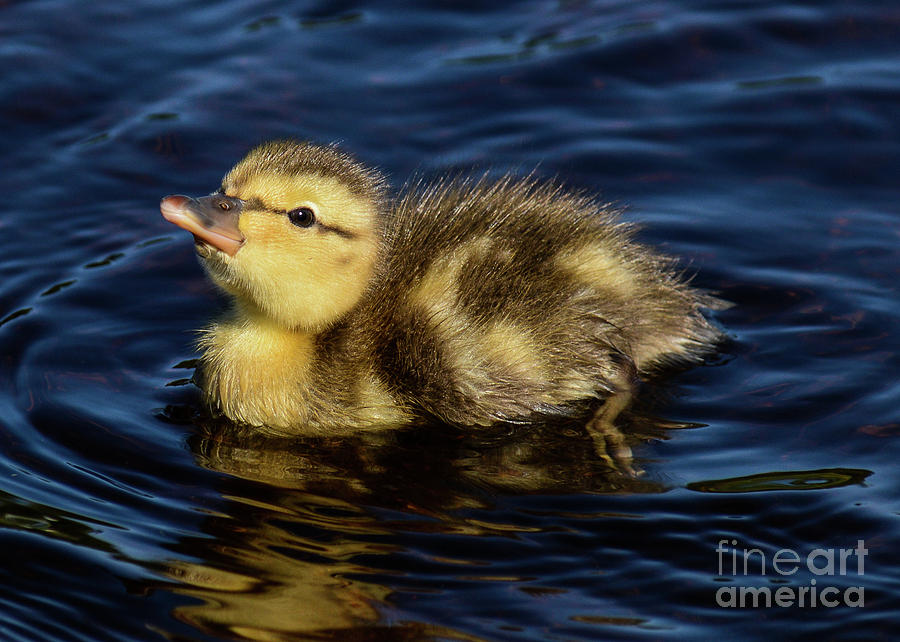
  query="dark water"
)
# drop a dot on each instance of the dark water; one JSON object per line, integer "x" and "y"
{"x": 759, "y": 141}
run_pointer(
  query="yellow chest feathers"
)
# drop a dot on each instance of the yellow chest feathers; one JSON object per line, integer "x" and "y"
{"x": 258, "y": 373}
{"x": 254, "y": 371}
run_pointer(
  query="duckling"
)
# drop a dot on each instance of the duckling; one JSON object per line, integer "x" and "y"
{"x": 473, "y": 301}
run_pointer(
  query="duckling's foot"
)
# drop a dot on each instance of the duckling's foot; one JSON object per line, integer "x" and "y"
{"x": 609, "y": 442}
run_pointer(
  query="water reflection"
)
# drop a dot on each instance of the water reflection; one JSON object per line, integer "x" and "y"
{"x": 302, "y": 545}
{"x": 264, "y": 579}
{"x": 430, "y": 464}
{"x": 21, "y": 514}
{"x": 786, "y": 480}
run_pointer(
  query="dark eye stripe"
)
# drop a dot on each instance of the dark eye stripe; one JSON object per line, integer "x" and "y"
{"x": 337, "y": 230}
{"x": 259, "y": 205}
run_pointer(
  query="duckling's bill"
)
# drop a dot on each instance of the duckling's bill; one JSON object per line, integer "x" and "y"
{"x": 212, "y": 220}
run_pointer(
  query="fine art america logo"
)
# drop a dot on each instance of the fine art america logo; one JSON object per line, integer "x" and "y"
{"x": 835, "y": 575}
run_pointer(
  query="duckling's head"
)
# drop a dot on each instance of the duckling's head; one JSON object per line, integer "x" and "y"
{"x": 293, "y": 233}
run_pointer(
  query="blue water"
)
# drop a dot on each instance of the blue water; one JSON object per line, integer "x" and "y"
{"x": 758, "y": 141}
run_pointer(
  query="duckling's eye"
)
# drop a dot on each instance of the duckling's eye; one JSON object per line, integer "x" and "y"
{"x": 302, "y": 217}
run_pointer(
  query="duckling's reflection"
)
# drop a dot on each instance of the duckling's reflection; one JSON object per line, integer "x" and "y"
{"x": 301, "y": 546}
{"x": 431, "y": 465}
